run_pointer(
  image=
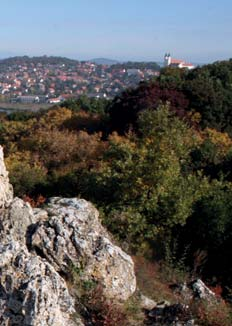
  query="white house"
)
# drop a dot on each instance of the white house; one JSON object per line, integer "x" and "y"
{"x": 171, "y": 62}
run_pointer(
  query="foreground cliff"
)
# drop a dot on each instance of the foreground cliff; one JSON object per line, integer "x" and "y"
{"x": 40, "y": 248}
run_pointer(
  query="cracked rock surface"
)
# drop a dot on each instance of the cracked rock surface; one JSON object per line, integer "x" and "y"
{"x": 31, "y": 292}
{"x": 38, "y": 247}
{"x": 73, "y": 234}
{"x": 6, "y": 189}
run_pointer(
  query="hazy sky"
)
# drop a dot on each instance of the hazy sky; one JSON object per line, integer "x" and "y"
{"x": 198, "y": 31}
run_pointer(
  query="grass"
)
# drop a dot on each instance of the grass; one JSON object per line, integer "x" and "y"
{"x": 154, "y": 279}
{"x": 23, "y": 106}
{"x": 151, "y": 281}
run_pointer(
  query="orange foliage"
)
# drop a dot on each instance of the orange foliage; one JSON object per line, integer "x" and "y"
{"x": 217, "y": 289}
{"x": 55, "y": 118}
{"x": 221, "y": 139}
{"x": 57, "y": 148}
{"x": 34, "y": 202}
{"x": 213, "y": 314}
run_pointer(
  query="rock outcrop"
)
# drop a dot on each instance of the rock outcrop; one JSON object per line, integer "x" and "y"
{"x": 16, "y": 219}
{"x": 38, "y": 248}
{"x": 6, "y": 190}
{"x": 201, "y": 291}
{"x": 73, "y": 236}
{"x": 31, "y": 292}
{"x": 195, "y": 290}
{"x": 189, "y": 295}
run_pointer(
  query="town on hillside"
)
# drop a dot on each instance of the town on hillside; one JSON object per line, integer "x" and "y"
{"x": 54, "y": 79}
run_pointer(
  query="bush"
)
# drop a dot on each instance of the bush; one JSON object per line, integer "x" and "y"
{"x": 26, "y": 172}
{"x": 212, "y": 314}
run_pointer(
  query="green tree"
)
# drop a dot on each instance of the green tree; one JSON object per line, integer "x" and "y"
{"x": 142, "y": 184}
{"x": 209, "y": 231}
{"x": 26, "y": 172}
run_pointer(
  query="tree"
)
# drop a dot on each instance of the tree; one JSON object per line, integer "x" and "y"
{"x": 209, "y": 230}
{"x": 124, "y": 109}
{"x": 141, "y": 183}
{"x": 26, "y": 172}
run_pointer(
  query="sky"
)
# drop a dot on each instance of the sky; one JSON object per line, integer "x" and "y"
{"x": 198, "y": 31}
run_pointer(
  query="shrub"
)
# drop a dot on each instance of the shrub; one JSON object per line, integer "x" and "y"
{"x": 26, "y": 172}
{"x": 212, "y": 314}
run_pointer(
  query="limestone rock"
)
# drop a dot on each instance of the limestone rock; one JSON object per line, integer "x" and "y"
{"x": 37, "y": 249}
{"x": 147, "y": 303}
{"x": 40, "y": 214}
{"x": 16, "y": 220}
{"x": 6, "y": 190}
{"x": 202, "y": 291}
{"x": 31, "y": 292}
{"x": 73, "y": 235}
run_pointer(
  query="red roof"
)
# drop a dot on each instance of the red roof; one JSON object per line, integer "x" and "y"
{"x": 177, "y": 61}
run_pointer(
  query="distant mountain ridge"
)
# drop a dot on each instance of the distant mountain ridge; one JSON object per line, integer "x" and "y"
{"x": 58, "y": 60}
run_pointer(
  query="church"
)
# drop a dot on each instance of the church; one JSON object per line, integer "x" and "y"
{"x": 176, "y": 63}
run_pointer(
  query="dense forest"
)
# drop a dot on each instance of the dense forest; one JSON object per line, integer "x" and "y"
{"x": 156, "y": 161}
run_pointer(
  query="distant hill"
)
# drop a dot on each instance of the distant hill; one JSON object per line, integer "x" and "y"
{"x": 104, "y": 61}
{"x": 56, "y": 60}
{"x": 52, "y": 60}
{"x": 41, "y": 59}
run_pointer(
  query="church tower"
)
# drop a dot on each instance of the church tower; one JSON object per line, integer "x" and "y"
{"x": 167, "y": 59}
